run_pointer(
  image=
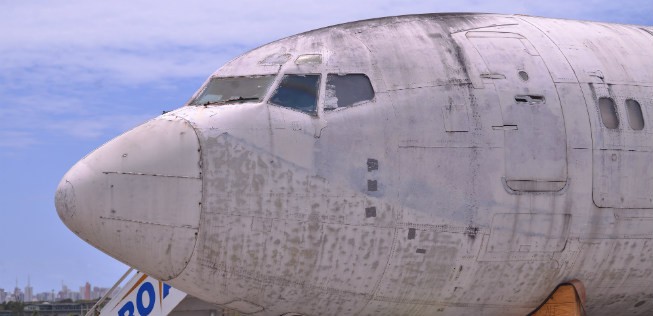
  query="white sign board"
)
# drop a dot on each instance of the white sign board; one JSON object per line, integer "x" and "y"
{"x": 143, "y": 296}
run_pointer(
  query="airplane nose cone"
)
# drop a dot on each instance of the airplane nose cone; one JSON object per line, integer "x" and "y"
{"x": 138, "y": 197}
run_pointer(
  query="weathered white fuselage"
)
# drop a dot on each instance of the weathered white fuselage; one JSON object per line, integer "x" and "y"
{"x": 479, "y": 177}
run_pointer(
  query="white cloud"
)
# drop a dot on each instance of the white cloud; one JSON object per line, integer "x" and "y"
{"x": 32, "y": 117}
{"x": 50, "y": 50}
{"x": 94, "y": 127}
{"x": 16, "y": 139}
{"x": 143, "y": 41}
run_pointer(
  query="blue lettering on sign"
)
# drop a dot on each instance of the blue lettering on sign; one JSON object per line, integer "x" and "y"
{"x": 145, "y": 310}
{"x": 166, "y": 290}
{"x": 127, "y": 310}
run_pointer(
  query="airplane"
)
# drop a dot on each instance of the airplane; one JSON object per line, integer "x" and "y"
{"x": 434, "y": 164}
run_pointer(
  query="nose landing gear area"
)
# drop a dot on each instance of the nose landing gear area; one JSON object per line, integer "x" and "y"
{"x": 566, "y": 300}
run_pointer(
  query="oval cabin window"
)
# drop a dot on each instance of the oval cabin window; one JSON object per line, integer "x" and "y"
{"x": 608, "y": 113}
{"x": 635, "y": 117}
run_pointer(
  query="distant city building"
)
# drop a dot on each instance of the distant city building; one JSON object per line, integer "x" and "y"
{"x": 64, "y": 293}
{"x": 43, "y": 297}
{"x": 28, "y": 295}
{"x": 18, "y": 296}
{"x": 29, "y": 291}
{"x": 98, "y": 292}
{"x": 87, "y": 291}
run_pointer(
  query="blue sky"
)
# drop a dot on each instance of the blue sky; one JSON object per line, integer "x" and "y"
{"x": 74, "y": 74}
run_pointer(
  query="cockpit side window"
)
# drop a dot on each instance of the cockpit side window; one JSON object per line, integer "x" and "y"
{"x": 298, "y": 92}
{"x": 347, "y": 90}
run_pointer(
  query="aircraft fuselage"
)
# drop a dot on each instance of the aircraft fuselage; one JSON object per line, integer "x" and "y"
{"x": 444, "y": 164}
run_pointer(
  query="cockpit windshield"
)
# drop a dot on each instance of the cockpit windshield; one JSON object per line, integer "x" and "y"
{"x": 221, "y": 90}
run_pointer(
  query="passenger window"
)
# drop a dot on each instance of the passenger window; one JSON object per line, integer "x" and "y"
{"x": 608, "y": 113}
{"x": 635, "y": 117}
{"x": 347, "y": 90}
{"x": 297, "y": 92}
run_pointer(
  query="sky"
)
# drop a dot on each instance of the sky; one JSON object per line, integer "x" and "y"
{"x": 74, "y": 74}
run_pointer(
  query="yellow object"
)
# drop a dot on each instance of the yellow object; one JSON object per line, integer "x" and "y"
{"x": 566, "y": 300}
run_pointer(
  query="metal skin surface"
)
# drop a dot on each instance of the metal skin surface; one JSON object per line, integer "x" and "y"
{"x": 465, "y": 187}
